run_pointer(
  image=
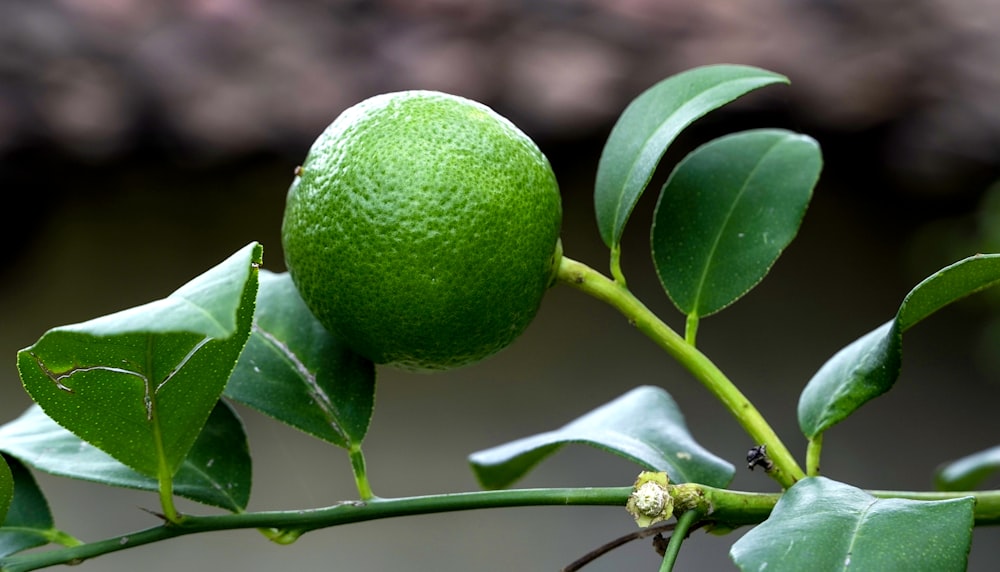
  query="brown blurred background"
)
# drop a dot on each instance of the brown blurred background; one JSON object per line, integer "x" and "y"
{"x": 143, "y": 141}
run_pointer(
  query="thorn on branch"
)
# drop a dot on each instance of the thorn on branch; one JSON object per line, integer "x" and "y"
{"x": 158, "y": 515}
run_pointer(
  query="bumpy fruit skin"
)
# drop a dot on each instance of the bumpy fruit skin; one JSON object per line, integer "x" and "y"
{"x": 422, "y": 229}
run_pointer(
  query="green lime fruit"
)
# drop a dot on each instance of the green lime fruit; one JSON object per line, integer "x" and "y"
{"x": 423, "y": 229}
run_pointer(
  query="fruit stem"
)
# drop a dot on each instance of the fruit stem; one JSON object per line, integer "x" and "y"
{"x": 786, "y": 470}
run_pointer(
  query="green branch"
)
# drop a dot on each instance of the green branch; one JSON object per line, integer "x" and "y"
{"x": 986, "y": 512}
{"x": 733, "y": 509}
{"x": 297, "y": 522}
{"x": 724, "y": 508}
{"x": 580, "y": 276}
{"x": 684, "y": 523}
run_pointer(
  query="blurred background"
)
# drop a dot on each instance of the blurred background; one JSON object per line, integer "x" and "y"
{"x": 143, "y": 141}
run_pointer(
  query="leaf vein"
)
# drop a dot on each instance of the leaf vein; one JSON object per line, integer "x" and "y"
{"x": 726, "y": 222}
{"x": 316, "y": 393}
{"x": 856, "y": 532}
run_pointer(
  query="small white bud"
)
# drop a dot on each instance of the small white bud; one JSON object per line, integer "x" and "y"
{"x": 650, "y": 501}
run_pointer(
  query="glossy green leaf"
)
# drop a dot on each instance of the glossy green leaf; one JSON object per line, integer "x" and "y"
{"x": 855, "y": 375}
{"x": 29, "y": 521}
{"x": 949, "y": 284}
{"x": 644, "y": 426}
{"x": 140, "y": 384}
{"x": 969, "y": 472}
{"x": 216, "y": 472}
{"x": 869, "y": 366}
{"x": 295, "y": 371}
{"x": 821, "y": 524}
{"x": 650, "y": 124}
{"x": 6, "y": 488}
{"x": 728, "y": 211}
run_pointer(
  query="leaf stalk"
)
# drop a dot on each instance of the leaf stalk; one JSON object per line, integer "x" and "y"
{"x": 360, "y": 472}
{"x": 691, "y": 328}
{"x": 813, "y": 450}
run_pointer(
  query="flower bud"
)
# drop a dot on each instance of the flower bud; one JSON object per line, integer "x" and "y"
{"x": 650, "y": 501}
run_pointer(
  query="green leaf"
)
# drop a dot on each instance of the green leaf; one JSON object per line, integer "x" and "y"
{"x": 968, "y": 472}
{"x": 869, "y": 366}
{"x": 821, "y": 524}
{"x": 6, "y": 488}
{"x": 29, "y": 521}
{"x": 644, "y": 426}
{"x": 948, "y": 285}
{"x": 295, "y": 371}
{"x": 650, "y": 124}
{"x": 855, "y": 375}
{"x": 216, "y": 472}
{"x": 728, "y": 211}
{"x": 140, "y": 384}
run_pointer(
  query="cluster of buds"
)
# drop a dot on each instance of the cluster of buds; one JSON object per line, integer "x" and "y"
{"x": 650, "y": 501}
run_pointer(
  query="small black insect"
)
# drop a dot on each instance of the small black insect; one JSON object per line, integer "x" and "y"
{"x": 757, "y": 457}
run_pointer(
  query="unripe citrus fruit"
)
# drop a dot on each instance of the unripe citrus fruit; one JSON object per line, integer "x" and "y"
{"x": 423, "y": 229}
